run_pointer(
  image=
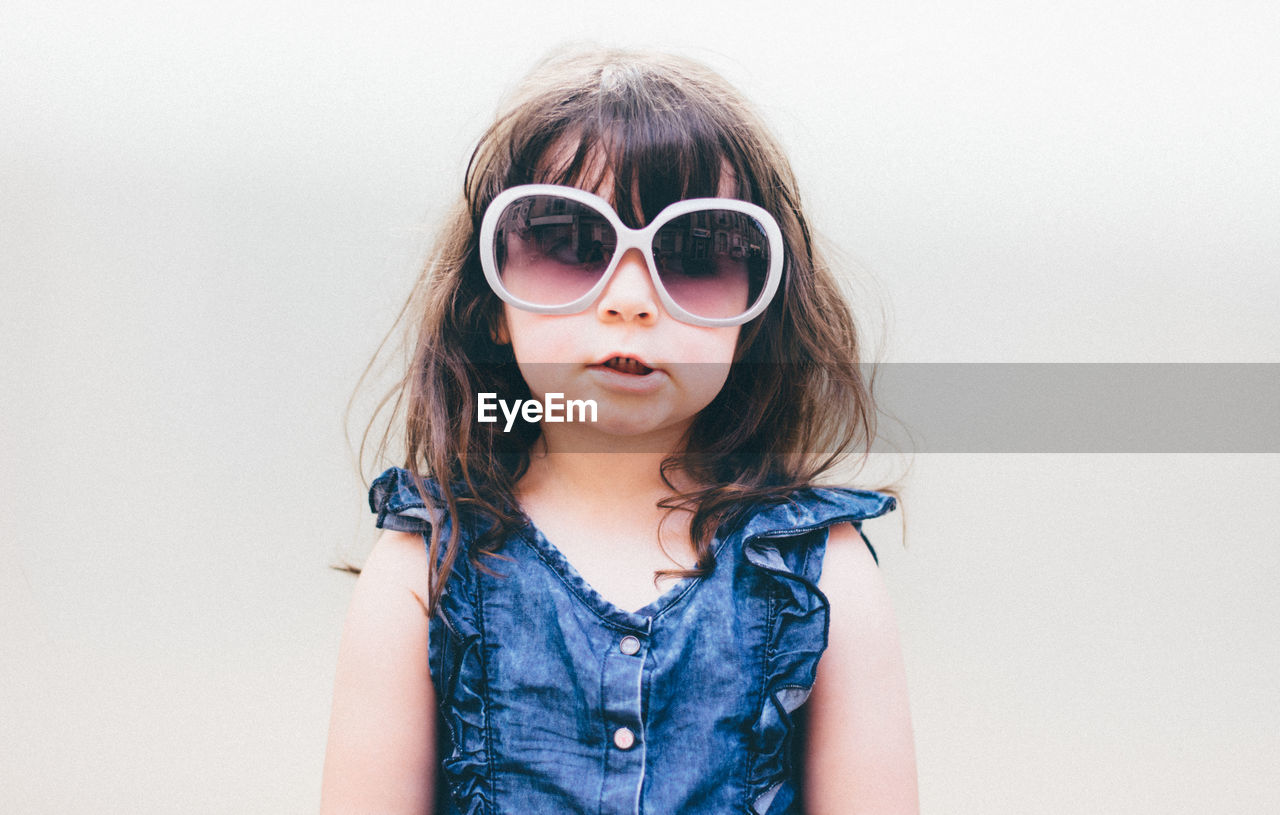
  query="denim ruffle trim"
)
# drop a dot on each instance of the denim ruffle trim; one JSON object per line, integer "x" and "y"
{"x": 396, "y": 502}
{"x": 783, "y": 549}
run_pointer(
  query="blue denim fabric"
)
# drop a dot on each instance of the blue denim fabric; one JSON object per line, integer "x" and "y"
{"x": 534, "y": 679}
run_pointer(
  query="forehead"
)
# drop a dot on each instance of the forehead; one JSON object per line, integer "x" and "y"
{"x": 647, "y": 186}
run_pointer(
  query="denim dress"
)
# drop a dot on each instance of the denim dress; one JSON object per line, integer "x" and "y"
{"x": 554, "y": 700}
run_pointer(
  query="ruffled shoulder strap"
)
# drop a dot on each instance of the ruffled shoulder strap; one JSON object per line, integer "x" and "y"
{"x": 395, "y": 499}
{"x": 808, "y": 511}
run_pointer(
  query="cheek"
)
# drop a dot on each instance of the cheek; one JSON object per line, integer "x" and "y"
{"x": 709, "y": 369}
{"x": 716, "y": 346}
{"x": 543, "y": 348}
{"x": 535, "y": 337}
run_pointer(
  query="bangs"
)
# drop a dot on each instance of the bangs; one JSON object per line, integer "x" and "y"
{"x": 641, "y": 157}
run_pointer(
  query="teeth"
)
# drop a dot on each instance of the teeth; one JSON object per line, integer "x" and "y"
{"x": 627, "y": 365}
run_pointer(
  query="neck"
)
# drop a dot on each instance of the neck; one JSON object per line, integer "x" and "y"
{"x": 631, "y": 469}
{"x": 623, "y": 474}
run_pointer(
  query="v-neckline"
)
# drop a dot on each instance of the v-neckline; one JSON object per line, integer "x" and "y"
{"x": 639, "y": 620}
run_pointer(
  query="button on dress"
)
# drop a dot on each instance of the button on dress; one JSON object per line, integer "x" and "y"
{"x": 554, "y": 700}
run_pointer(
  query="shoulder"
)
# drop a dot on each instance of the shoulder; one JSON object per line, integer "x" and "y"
{"x": 398, "y": 559}
{"x": 390, "y": 596}
{"x": 862, "y": 619}
{"x": 406, "y": 517}
{"x": 850, "y": 570}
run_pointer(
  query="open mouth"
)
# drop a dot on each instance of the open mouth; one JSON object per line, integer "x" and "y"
{"x": 627, "y": 365}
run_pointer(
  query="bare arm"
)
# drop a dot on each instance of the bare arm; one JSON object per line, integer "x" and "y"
{"x": 381, "y": 754}
{"x": 860, "y": 755}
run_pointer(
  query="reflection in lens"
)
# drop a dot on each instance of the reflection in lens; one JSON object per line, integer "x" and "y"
{"x": 713, "y": 262}
{"x": 551, "y": 250}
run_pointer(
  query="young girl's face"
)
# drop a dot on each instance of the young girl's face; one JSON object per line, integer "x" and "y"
{"x": 649, "y": 373}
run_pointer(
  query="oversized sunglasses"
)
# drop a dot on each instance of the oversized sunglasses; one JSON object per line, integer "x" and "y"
{"x": 552, "y": 250}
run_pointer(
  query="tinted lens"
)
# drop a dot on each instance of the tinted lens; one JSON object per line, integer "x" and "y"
{"x": 551, "y": 250}
{"x": 713, "y": 262}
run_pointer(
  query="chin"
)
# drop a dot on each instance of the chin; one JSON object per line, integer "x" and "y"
{"x": 636, "y": 434}
{"x": 633, "y": 427}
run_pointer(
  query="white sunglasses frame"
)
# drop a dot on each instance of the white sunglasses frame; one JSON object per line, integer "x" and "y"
{"x": 629, "y": 238}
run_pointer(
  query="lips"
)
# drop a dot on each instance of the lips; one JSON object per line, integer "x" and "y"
{"x": 623, "y": 373}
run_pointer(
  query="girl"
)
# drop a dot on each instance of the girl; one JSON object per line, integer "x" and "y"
{"x": 631, "y": 365}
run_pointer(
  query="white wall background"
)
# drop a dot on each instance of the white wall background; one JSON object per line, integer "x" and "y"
{"x": 210, "y": 213}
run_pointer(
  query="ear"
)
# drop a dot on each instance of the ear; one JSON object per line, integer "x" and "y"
{"x": 498, "y": 331}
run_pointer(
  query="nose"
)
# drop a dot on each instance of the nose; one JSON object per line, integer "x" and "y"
{"x": 630, "y": 295}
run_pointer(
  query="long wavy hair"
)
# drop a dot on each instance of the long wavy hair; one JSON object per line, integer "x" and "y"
{"x": 658, "y": 128}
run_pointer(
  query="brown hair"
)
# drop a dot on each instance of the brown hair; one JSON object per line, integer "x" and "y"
{"x": 663, "y": 128}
